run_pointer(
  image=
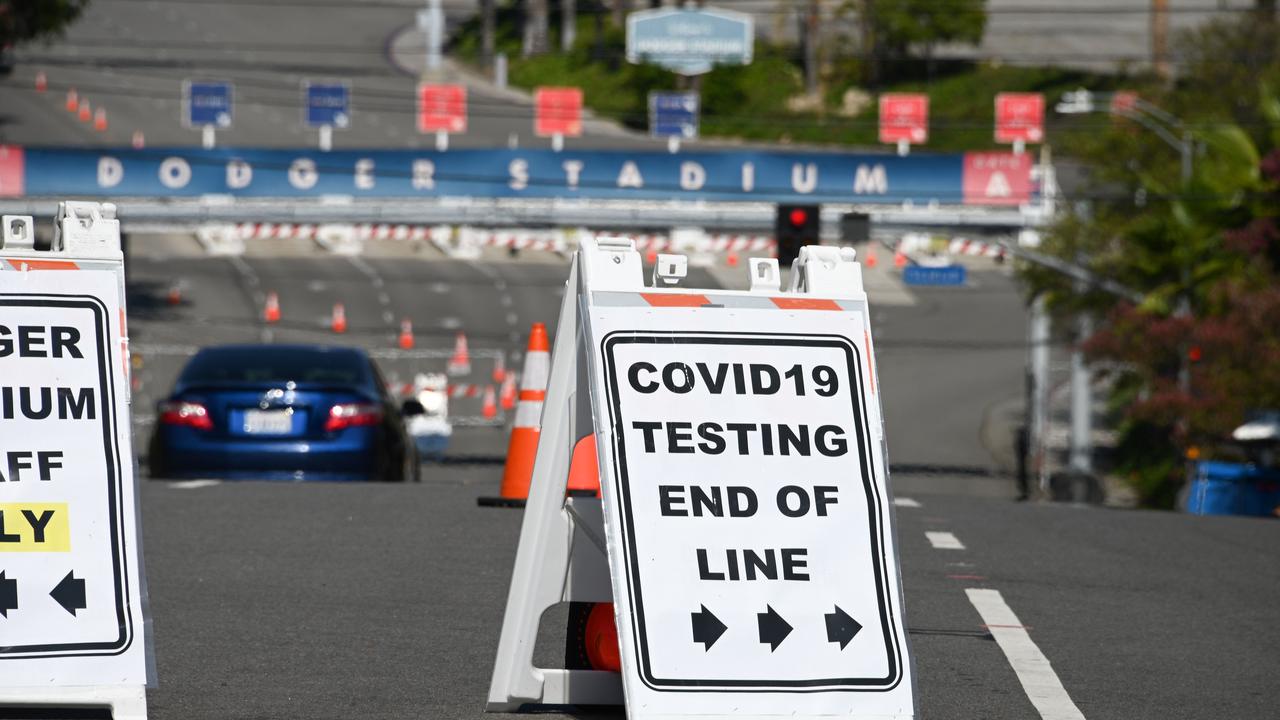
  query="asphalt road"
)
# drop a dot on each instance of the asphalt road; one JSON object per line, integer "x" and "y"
{"x": 328, "y": 601}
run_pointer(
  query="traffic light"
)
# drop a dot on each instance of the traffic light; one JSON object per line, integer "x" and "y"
{"x": 795, "y": 226}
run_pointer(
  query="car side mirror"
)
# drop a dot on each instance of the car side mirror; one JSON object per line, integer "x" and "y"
{"x": 412, "y": 407}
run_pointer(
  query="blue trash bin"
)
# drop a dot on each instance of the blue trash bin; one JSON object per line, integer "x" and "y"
{"x": 1224, "y": 488}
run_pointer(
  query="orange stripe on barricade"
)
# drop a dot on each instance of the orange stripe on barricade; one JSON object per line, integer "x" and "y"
{"x": 786, "y": 303}
{"x": 871, "y": 372}
{"x": 663, "y": 300}
{"x": 44, "y": 264}
{"x": 534, "y": 395}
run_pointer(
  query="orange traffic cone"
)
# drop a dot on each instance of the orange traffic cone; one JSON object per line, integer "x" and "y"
{"x": 73, "y": 100}
{"x": 100, "y": 120}
{"x": 271, "y": 311}
{"x": 731, "y": 259}
{"x": 86, "y": 114}
{"x": 460, "y": 361}
{"x": 523, "y": 446}
{"x": 899, "y": 258}
{"x": 490, "y": 408}
{"x": 507, "y": 397}
{"x": 651, "y": 256}
{"x": 339, "y": 321}
{"x": 139, "y": 140}
{"x": 500, "y": 368}
{"x": 406, "y": 335}
{"x": 42, "y": 82}
{"x": 871, "y": 260}
{"x": 175, "y": 294}
{"x": 584, "y": 468}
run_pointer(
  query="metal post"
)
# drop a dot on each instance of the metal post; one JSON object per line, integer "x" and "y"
{"x": 435, "y": 34}
{"x": 568, "y": 24}
{"x": 208, "y": 137}
{"x": 326, "y": 138}
{"x": 442, "y": 140}
{"x": 500, "y": 70}
{"x": 1038, "y": 413}
{"x": 557, "y": 142}
{"x": 1081, "y": 457}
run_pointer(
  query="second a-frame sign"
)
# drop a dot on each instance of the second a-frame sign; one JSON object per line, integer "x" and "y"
{"x": 746, "y": 516}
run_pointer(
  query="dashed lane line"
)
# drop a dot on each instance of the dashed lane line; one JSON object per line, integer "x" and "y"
{"x": 194, "y": 484}
{"x": 906, "y": 502}
{"x": 944, "y": 541}
{"x": 1039, "y": 681}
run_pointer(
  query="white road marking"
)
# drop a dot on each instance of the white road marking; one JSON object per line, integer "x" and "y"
{"x": 450, "y": 323}
{"x": 1038, "y": 679}
{"x": 944, "y": 541}
{"x": 194, "y": 484}
{"x": 440, "y": 288}
{"x": 384, "y": 298}
{"x": 505, "y": 300}
{"x": 512, "y": 318}
{"x": 388, "y": 317}
{"x": 906, "y": 502}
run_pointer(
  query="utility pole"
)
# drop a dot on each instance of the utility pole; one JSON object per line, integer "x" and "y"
{"x": 620, "y": 10}
{"x": 535, "y": 27}
{"x": 811, "y": 28}
{"x": 1038, "y": 401}
{"x": 568, "y": 24}
{"x": 870, "y": 58}
{"x": 1160, "y": 39}
{"x": 488, "y": 22}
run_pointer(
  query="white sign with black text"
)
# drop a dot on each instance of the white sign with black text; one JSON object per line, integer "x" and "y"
{"x": 70, "y": 603}
{"x": 755, "y": 571}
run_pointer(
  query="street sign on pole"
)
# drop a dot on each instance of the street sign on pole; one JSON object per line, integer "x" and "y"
{"x": 326, "y": 104}
{"x": 692, "y": 41}
{"x": 442, "y": 108}
{"x": 904, "y": 119}
{"x": 1019, "y": 118}
{"x": 557, "y": 112}
{"x": 673, "y": 115}
{"x": 207, "y": 103}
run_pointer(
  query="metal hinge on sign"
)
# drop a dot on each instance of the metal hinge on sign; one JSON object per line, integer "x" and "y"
{"x": 19, "y": 233}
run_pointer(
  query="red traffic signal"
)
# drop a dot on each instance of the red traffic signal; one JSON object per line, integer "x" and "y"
{"x": 798, "y": 217}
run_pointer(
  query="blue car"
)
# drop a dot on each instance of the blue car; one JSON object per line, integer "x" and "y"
{"x": 282, "y": 412}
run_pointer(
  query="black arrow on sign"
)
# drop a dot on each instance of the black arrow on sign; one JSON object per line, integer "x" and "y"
{"x": 8, "y": 595}
{"x": 70, "y": 594}
{"x": 840, "y": 627}
{"x": 707, "y": 628}
{"x": 773, "y": 629}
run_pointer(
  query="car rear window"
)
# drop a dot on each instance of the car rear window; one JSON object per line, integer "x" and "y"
{"x": 255, "y": 365}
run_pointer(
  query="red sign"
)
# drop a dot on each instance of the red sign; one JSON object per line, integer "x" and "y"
{"x": 557, "y": 111}
{"x": 904, "y": 116}
{"x": 442, "y": 108}
{"x": 1123, "y": 101}
{"x": 997, "y": 178}
{"x": 1019, "y": 116}
{"x": 12, "y": 171}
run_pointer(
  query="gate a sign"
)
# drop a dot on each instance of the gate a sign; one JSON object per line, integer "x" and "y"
{"x": 442, "y": 108}
{"x": 904, "y": 117}
{"x": 1019, "y": 117}
{"x": 70, "y": 591}
{"x": 557, "y": 111}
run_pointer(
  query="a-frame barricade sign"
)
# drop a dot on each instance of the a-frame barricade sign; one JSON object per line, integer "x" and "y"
{"x": 745, "y": 531}
{"x": 72, "y": 594}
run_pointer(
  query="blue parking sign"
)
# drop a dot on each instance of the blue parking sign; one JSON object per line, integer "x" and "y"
{"x": 673, "y": 114}
{"x": 207, "y": 103}
{"x": 326, "y": 104}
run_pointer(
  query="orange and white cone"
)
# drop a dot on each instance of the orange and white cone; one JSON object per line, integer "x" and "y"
{"x": 42, "y": 82}
{"x": 73, "y": 100}
{"x": 86, "y": 113}
{"x": 139, "y": 140}
{"x": 899, "y": 257}
{"x": 500, "y": 369}
{"x": 271, "y": 311}
{"x": 731, "y": 259}
{"x": 507, "y": 396}
{"x": 406, "y": 335}
{"x": 523, "y": 446}
{"x": 100, "y": 120}
{"x": 460, "y": 361}
{"x": 871, "y": 260}
{"x": 175, "y": 294}
{"x": 490, "y": 408}
{"x": 339, "y": 320}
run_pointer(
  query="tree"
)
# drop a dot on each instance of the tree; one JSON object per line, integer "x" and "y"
{"x": 902, "y": 24}
{"x": 1209, "y": 245}
{"x": 22, "y": 20}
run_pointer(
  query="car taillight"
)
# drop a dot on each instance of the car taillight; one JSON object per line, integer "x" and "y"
{"x": 188, "y": 414}
{"x": 348, "y": 415}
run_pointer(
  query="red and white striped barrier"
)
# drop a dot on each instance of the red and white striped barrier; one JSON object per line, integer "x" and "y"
{"x": 519, "y": 239}
{"x": 456, "y": 391}
{"x": 961, "y": 246}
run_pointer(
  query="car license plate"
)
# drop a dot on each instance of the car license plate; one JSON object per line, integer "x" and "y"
{"x": 268, "y": 422}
